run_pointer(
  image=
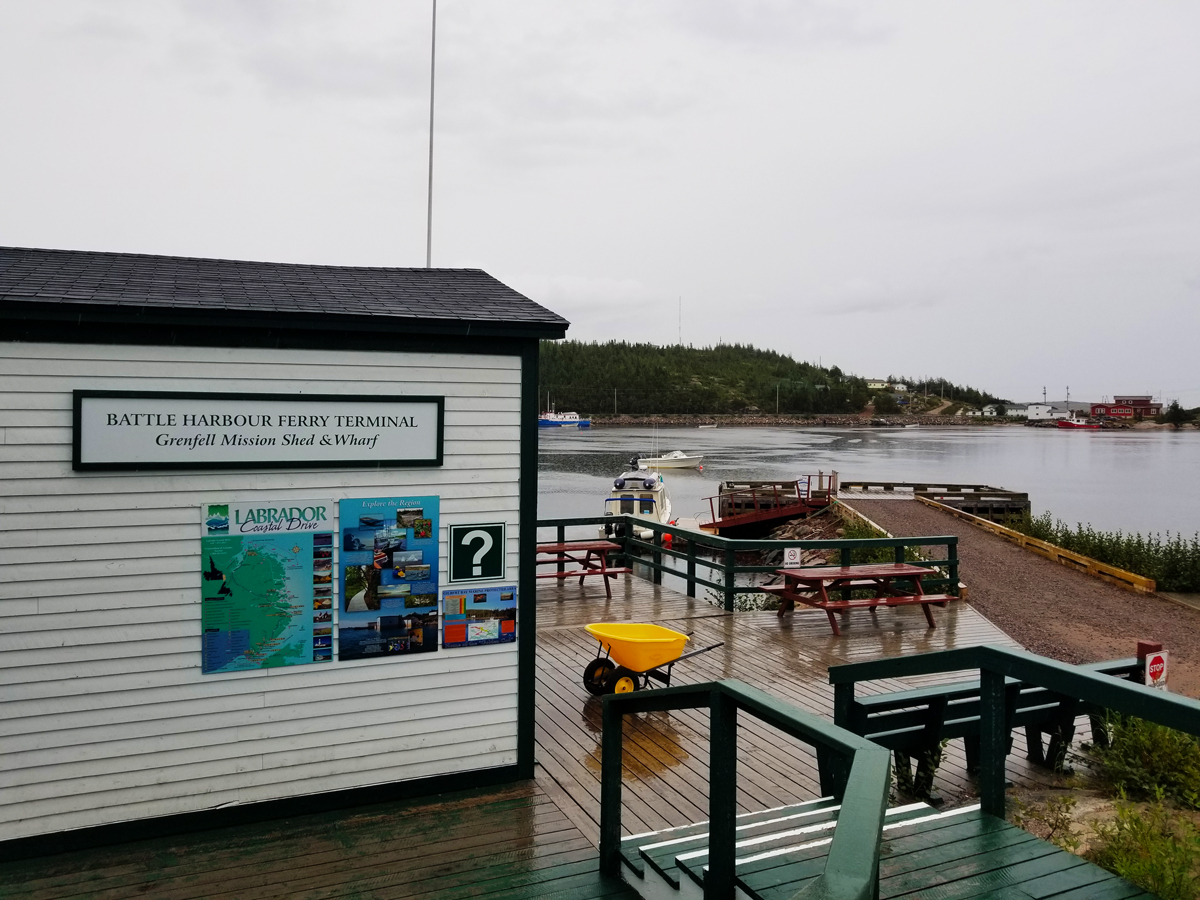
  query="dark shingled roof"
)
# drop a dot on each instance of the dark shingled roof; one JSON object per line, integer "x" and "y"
{"x": 173, "y": 288}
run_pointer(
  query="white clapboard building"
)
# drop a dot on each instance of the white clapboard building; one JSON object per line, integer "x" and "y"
{"x": 109, "y": 726}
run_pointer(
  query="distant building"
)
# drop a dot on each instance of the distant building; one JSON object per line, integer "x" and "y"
{"x": 1046, "y": 411}
{"x": 993, "y": 409}
{"x": 899, "y": 388}
{"x": 1128, "y": 407}
{"x": 875, "y": 385}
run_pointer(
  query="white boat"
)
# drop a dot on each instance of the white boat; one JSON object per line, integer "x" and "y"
{"x": 640, "y": 494}
{"x": 554, "y": 419}
{"x": 706, "y": 426}
{"x": 676, "y": 459}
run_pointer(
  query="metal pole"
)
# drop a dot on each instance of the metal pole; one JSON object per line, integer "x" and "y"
{"x": 432, "y": 71}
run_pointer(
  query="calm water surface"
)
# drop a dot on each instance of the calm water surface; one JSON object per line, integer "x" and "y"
{"x": 1130, "y": 480}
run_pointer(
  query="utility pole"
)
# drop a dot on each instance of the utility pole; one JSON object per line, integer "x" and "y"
{"x": 777, "y": 398}
{"x": 432, "y": 71}
{"x": 681, "y": 321}
{"x": 614, "y": 401}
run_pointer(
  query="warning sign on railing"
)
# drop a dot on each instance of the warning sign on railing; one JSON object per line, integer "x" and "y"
{"x": 791, "y": 557}
{"x": 1156, "y": 670}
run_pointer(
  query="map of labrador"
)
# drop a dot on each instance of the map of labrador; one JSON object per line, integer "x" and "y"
{"x": 257, "y": 595}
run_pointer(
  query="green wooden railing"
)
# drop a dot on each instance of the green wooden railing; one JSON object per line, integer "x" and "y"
{"x": 717, "y": 556}
{"x": 997, "y": 697}
{"x": 852, "y": 866}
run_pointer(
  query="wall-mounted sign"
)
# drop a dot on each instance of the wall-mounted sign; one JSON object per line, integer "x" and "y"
{"x": 389, "y": 577}
{"x": 266, "y": 584}
{"x": 169, "y": 430}
{"x": 477, "y": 552}
{"x": 475, "y": 616}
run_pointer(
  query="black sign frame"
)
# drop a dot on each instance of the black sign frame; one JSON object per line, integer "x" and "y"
{"x": 78, "y": 465}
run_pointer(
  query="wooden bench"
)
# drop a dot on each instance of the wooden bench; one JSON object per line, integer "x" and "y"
{"x": 594, "y": 561}
{"x": 914, "y": 723}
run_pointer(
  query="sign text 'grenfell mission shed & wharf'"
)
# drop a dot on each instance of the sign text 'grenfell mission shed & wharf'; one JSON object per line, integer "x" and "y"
{"x": 267, "y": 539}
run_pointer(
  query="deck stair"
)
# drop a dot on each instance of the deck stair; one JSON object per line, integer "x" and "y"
{"x": 953, "y": 853}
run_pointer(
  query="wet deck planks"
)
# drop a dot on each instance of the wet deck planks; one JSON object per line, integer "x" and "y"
{"x": 666, "y": 754}
{"x": 537, "y": 839}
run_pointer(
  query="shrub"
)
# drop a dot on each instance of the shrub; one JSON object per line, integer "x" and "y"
{"x": 1158, "y": 850}
{"x": 1144, "y": 759}
{"x": 1172, "y": 561}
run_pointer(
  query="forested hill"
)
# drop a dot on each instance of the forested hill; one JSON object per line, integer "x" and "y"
{"x": 728, "y": 378}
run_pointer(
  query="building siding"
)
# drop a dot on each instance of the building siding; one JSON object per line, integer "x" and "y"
{"x": 104, "y": 715}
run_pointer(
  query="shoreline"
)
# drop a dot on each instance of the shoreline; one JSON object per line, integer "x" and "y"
{"x": 831, "y": 420}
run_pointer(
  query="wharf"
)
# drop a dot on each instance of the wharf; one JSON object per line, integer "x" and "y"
{"x": 538, "y": 839}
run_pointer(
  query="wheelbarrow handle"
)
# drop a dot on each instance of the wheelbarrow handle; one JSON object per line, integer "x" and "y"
{"x": 701, "y": 650}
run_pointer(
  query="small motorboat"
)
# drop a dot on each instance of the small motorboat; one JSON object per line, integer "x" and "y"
{"x": 1071, "y": 423}
{"x": 676, "y": 459}
{"x": 641, "y": 494}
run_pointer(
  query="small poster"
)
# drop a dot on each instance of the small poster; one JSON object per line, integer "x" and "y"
{"x": 388, "y": 571}
{"x": 473, "y": 617}
{"x": 265, "y": 585}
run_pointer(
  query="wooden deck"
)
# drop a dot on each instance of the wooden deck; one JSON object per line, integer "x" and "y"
{"x": 667, "y": 754}
{"x": 538, "y": 839}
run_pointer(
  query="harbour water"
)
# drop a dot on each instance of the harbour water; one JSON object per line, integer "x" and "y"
{"x": 1147, "y": 481}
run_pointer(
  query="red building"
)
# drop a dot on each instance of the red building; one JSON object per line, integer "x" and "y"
{"x": 1128, "y": 407}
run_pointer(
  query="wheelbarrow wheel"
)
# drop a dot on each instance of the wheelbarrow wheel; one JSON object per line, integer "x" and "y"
{"x": 595, "y": 675}
{"x": 623, "y": 681}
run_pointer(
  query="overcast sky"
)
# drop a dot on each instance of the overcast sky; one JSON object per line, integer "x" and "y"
{"x": 1006, "y": 194}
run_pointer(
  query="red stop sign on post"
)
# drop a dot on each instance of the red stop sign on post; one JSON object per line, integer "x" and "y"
{"x": 1156, "y": 670}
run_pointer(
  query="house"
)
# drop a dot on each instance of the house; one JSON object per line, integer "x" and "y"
{"x": 1046, "y": 412}
{"x": 1128, "y": 406}
{"x": 876, "y": 385}
{"x": 172, "y": 411}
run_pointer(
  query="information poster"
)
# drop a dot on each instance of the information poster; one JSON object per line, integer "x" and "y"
{"x": 476, "y": 616}
{"x": 266, "y": 585}
{"x": 389, "y": 577}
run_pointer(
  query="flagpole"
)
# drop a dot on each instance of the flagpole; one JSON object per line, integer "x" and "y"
{"x": 432, "y": 72}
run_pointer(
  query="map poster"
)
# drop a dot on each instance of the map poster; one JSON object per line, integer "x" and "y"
{"x": 266, "y": 585}
{"x": 389, "y": 577}
{"x": 476, "y": 616}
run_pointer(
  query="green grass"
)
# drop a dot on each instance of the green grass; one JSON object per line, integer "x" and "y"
{"x": 1173, "y": 561}
{"x": 1155, "y": 847}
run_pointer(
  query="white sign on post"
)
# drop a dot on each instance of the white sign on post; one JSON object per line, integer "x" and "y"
{"x": 170, "y": 430}
{"x": 791, "y": 557}
{"x": 1156, "y": 670}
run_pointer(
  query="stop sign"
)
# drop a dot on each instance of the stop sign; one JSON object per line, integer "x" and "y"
{"x": 1156, "y": 670}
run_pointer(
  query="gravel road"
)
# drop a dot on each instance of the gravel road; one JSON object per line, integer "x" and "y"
{"x": 1048, "y": 608}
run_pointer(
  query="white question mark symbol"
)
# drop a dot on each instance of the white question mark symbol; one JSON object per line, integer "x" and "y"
{"x": 469, "y": 538}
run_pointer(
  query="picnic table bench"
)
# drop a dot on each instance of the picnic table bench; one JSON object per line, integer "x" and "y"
{"x": 812, "y": 587}
{"x": 914, "y": 723}
{"x": 591, "y": 558}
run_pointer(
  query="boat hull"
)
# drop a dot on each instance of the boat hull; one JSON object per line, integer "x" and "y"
{"x": 659, "y": 463}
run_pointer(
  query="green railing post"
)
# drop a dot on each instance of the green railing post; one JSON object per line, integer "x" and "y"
{"x": 899, "y": 555}
{"x": 657, "y": 558}
{"x": 561, "y": 533}
{"x": 993, "y": 741}
{"x": 730, "y": 577}
{"x": 691, "y": 567}
{"x": 722, "y": 797}
{"x": 610, "y": 789}
{"x": 952, "y": 556}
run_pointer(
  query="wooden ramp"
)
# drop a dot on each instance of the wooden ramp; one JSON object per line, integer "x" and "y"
{"x": 956, "y": 854}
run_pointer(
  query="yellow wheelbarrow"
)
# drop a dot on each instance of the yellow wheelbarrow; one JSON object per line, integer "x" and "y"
{"x": 633, "y": 653}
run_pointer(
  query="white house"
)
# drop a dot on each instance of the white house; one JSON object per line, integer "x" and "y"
{"x": 1046, "y": 411}
{"x": 158, "y": 414}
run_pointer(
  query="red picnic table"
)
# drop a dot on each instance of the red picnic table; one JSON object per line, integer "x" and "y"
{"x": 812, "y": 588}
{"x": 594, "y": 560}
